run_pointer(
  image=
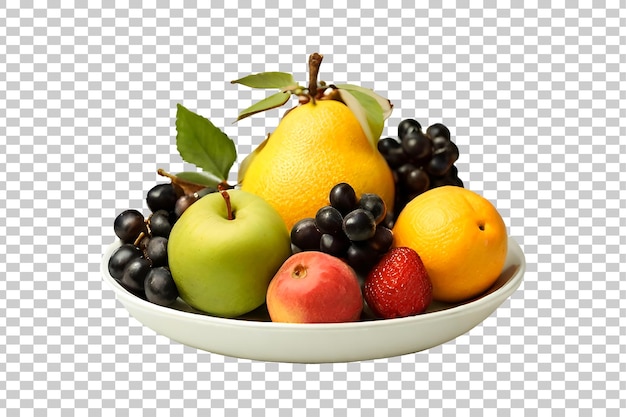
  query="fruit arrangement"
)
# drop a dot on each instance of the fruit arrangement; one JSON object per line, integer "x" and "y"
{"x": 327, "y": 222}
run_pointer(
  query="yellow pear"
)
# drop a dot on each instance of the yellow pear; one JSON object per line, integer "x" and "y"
{"x": 315, "y": 146}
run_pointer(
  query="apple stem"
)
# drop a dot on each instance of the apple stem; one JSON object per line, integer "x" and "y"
{"x": 315, "y": 60}
{"x": 226, "y": 196}
{"x": 224, "y": 186}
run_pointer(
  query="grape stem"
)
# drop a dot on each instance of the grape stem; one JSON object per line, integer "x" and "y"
{"x": 139, "y": 239}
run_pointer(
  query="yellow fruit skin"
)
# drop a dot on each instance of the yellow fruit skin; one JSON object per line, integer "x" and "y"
{"x": 461, "y": 238}
{"x": 315, "y": 147}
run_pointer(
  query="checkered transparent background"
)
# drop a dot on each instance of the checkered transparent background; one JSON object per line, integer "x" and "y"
{"x": 535, "y": 100}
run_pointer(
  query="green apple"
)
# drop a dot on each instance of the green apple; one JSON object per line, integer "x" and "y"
{"x": 223, "y": 265}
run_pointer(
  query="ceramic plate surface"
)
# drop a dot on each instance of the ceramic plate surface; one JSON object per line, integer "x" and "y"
{"x": 254, "y": 337}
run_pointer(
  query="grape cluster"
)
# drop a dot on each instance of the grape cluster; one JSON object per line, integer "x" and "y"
{"x": 140, "y": 264}
{"x": 349, "y": 228}
{"x": 420, "y": 161}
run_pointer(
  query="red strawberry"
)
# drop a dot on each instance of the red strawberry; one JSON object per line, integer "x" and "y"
{"x": 398, "y": 286}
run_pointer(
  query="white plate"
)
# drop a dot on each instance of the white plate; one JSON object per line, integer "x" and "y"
{"x": 253, "y": 336}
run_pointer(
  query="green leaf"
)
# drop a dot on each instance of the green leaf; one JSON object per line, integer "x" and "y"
{"x": 200, "y": 143}
{"x": 384, "y": 103}
{"x": 271, "y": 102}
{"x": 280, "y": 80}
{"x": 367, "y": 111}
{"x": 200, "y": 178}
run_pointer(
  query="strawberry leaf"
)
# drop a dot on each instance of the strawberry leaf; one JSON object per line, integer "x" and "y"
{"x": 280, "y": 80}
{"x": 367, "y": 111}
{"x": 271, "y": 102}
{"x": 200, "y": 143}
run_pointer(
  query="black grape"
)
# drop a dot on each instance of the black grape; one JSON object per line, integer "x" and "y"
{"x": 419, "y": 162}
{"x": 162, "y": 197}
{"x": 128, "y": 225}
{"x": 121, "y": 257}
{"x": 305, "y": 235}
{"x": 160, "y": 287}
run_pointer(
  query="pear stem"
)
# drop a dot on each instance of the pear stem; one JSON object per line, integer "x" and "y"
{"x": 226, "y": 196}
{"x": 315, "y": 60}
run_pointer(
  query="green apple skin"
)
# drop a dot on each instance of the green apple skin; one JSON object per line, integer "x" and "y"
{"x": 223, "y": 267}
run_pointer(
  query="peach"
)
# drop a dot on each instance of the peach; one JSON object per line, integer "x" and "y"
{"x": 314, "y": 287}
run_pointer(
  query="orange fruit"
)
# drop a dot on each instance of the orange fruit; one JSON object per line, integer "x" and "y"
{"x": 460, "y": 237}
{"x": 314, "y": 147}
